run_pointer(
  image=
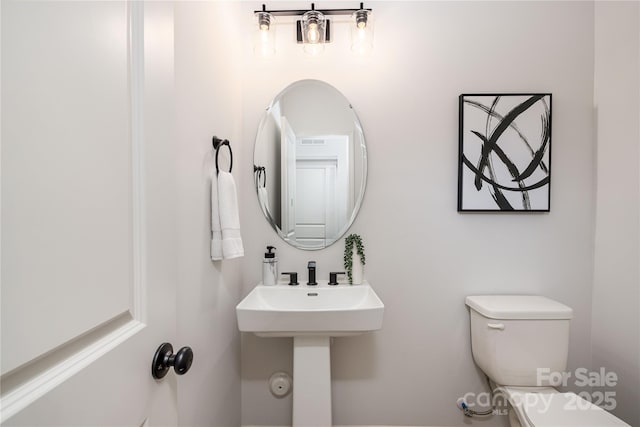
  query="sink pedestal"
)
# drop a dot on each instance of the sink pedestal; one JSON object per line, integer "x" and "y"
{"x": 311, "y": 315}
{"x": 311, "y": 381}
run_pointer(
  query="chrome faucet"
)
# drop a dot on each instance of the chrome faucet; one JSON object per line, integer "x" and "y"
{"x": 312, "y": 273}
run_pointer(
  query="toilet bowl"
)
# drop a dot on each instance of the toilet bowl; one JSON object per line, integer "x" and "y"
{"x": 547, "y": 407}
{"x": 516, "y": 337}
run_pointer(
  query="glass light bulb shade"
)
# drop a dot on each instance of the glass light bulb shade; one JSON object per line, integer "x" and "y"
{"x": 361, "y": 17}
{"x": 362, "y": 33}
{"x": 313, "y": 27}
{"x": 264, "y": 41}
{"x": 264, "y": 20}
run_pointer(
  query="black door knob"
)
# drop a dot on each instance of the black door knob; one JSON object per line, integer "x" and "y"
{"x": 165, "y": 359}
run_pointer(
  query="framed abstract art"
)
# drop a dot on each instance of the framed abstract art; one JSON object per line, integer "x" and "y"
{"x": 504, "y": 152}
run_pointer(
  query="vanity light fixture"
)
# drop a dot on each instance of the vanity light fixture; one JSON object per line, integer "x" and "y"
{"x": 313, "y": 29}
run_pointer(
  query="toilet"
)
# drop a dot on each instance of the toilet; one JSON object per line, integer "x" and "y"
{"x": 518, "y": 341}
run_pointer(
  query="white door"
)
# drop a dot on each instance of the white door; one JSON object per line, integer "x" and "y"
{"x": 288, "y": 179}
{"x": 316, "y": 201}
{"x": 88, "y": 268}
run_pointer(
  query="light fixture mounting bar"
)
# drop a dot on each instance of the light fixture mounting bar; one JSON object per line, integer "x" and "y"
{"x": 300, "y": 12}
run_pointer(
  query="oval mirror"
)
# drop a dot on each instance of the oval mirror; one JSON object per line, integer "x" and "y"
{"x": 310, "y": 164}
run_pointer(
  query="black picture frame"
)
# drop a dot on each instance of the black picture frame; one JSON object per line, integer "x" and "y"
{"x": 504, "y": 161}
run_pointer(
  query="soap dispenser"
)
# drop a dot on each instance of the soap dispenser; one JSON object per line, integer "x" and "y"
{"x": 270, "y": 267}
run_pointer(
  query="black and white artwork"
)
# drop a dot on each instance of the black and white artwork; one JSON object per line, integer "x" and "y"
{"x": 505, "y": 152}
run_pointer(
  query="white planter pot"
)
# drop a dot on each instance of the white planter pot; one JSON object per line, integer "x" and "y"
{"x": 357, "y": 270}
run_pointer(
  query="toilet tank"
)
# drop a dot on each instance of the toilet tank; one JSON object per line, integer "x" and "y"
{"x": 515, "y": 339}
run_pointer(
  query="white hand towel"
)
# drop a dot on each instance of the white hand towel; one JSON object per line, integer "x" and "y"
{"x": 216, "y": 229}
{"x": 229, "y": 217}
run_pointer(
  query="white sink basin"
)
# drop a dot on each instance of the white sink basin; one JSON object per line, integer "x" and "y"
{"x": 322, "y": 310}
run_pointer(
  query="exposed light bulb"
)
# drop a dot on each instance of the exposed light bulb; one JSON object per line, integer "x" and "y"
{"x": 313, "y": 34}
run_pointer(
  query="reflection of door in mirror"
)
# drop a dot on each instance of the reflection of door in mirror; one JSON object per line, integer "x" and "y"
{"x": 323, "y": 190}
{"x": 288, "y": 179}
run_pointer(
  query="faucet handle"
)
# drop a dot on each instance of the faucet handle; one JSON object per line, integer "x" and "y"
{"x": 293, "y": 278}
{"x": 311, "y": 264}
{"x": 333, "y": 277}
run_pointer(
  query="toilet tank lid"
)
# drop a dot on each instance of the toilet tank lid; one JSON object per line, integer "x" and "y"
{"x": 518, "y": 307}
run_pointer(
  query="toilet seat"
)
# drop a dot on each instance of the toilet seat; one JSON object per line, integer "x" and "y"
{"x": 546, "y": 407}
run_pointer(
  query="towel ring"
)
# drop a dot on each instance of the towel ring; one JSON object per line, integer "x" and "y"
{"x": 217, "y": 143}
{"x": 261, "y": 175}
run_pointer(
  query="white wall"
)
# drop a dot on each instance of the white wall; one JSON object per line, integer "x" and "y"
{"x": 207, "y": 103}
{"x": 429, "y": 256}
{"x": 616, "y": 290}
{"x": 423, "y": 257}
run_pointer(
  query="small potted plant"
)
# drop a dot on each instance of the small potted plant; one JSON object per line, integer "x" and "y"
{"x": 354, "y": 258}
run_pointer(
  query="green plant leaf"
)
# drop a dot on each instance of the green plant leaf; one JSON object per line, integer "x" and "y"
{"x": 349, "y": 242}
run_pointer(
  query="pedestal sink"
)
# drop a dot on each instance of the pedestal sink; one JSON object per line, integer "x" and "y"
{"x": 311, "y": 315}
